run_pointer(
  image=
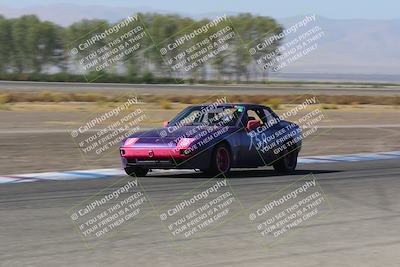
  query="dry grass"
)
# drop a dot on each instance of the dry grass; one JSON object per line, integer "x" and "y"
{"x": 165, "y": 104}
{"x": 4, "y": 106}
{"x": 274, "y": 103}
{"x": 3, "y": 102}
{"x": 329, "y": 106}
{"x": 47, "y": 96}
{"x": 166, "y": 101}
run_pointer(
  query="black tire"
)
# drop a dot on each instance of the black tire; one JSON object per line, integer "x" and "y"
{"x": 136, "y": 171}
{"x": 287, "y": 162}
{"x": 221, "y": 160}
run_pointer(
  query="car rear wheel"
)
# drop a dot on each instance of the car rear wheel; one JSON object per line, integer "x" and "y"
{"x": 288, "y": 162}
{"x": 136, "y": 171}
{"x": 220, "y": 160}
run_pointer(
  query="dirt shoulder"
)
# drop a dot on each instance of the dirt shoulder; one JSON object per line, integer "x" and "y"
{"x": 36, "y": 137}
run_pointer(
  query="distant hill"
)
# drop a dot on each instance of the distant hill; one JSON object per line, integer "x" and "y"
{"x": 357, "y": 46}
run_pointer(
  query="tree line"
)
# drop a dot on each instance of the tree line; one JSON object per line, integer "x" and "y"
{"x": 31, "y": 49}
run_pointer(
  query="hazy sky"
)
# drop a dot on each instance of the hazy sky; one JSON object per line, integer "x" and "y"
{"x": 383, "y": 9}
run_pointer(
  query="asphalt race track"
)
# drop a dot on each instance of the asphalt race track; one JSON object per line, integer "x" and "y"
{"x": 359, "y": 229}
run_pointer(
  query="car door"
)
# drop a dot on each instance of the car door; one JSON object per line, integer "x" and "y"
{"x": 249, "y": 141}
{"x": 267, "y": 135}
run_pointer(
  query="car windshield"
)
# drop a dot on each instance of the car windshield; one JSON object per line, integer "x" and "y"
{"x": 205, "y": 115}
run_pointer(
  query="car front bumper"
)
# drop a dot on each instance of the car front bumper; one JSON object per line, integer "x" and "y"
{"x": 163, "y": 158}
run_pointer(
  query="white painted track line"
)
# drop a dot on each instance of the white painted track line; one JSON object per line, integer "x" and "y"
{"x": 108, "y": 173}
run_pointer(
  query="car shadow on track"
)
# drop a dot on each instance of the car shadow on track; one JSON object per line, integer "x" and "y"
{"x": 235, "y": 174}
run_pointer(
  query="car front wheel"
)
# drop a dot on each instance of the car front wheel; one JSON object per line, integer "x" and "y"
{"x": 220, "y": 160}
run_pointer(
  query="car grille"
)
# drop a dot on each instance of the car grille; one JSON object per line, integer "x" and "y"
{"x": 151, "y": 161}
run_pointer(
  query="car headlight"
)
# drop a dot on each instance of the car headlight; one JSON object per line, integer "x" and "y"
{"x": 130, "y": 141}
{"x": 185, "y": 143}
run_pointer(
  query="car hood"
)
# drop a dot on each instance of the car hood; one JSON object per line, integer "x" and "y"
{"x": 171, "y": 135}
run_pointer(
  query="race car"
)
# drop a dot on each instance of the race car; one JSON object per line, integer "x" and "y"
{"x": 214, "y": 138}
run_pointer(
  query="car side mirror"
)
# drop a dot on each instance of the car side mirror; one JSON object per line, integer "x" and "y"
{"x": 251, "y": 124}
{"x": 165, "y": 124}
